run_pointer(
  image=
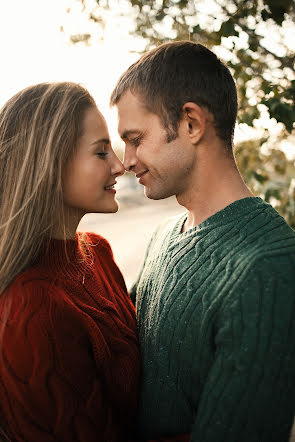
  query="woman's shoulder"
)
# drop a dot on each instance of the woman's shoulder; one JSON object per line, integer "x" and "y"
{"x": 34, "y": 297}
{"x": 33, "y": 291}
{"x": 31, "y": 278}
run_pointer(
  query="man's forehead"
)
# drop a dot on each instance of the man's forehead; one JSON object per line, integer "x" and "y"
{"x": 130, "y": 101}
{"x": 131, "y": 115}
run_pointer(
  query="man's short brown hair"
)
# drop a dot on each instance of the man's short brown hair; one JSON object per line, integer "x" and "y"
{"x": 178, "y": 72}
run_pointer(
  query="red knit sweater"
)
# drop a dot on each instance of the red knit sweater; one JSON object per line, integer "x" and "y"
{"x": 70, "y": 366}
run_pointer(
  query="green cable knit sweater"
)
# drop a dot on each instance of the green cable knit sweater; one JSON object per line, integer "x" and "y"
{"x": 216, "y": 314}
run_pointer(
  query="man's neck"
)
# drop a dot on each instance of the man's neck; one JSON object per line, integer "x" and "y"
{"x": 212, "y": 189}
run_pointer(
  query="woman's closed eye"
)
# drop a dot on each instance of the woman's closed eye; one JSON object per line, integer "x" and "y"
{"x": 102, "y": 154}
{"x": 103, "y": 151}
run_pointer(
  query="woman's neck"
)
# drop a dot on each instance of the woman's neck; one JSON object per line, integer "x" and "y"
{"x": 67, "y": 230}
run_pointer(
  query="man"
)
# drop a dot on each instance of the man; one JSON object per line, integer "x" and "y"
{"x": 216, "y": 296}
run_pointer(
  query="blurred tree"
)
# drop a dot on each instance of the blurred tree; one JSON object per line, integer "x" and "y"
{"x": 269, "y": 174}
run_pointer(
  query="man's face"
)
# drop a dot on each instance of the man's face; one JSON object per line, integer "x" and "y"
{"x": 164, "y": 169}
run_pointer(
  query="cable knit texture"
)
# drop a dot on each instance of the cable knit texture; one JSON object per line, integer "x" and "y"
{"x": 70, "y": 366}
{"x": 216, "y": 315}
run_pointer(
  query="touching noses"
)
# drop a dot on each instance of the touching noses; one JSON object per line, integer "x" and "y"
{"x": 117, "y": 167}
{"x": 130, "y": 159}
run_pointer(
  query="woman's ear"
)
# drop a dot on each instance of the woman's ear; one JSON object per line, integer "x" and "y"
{"x": 195, "y": 120}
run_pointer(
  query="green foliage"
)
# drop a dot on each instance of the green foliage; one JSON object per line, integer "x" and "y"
{"x": 277, "y": 10}
{"x": 280, "y": 104}
{"x": 270, "y": 175}
{"x": 227, "y": 28}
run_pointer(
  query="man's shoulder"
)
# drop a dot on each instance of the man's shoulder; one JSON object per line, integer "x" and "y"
{"x": 259, "y": 241}
{"x": 259, "y": 231}
{"x": 270, "y": 246}
{"x": 263, "y": 249}
{"x": 267, "y": 235}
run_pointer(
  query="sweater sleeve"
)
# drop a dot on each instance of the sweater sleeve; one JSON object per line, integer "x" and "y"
{"x": 51, "y": 385}
{"x": 249, "y": 393}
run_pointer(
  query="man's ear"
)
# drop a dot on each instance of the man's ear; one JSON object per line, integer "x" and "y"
{"x": 195, "y": 119}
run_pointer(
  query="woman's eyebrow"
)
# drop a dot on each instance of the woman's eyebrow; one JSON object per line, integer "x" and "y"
{"x": 102, "y": 141}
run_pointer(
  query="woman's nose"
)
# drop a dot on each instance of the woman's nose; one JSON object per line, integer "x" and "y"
{"x": 118, "y": 168}
{"x": 129, "y": 158}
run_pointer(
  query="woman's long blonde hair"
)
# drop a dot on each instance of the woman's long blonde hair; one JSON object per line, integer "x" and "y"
{"x": 39, "y": 130}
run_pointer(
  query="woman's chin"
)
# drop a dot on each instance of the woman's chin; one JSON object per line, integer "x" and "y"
{"x": 115, "y": 209}
{"x": 111, "y": 209}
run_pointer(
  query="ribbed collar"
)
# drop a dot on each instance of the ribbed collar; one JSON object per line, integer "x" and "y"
{"x": 224, "y": 216}
{"x": 65, "y": 256}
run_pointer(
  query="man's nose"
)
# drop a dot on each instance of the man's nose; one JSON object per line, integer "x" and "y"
{"x": 130, "y": 158}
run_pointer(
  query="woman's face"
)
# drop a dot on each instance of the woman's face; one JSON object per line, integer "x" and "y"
{"x": 91, "y": 173}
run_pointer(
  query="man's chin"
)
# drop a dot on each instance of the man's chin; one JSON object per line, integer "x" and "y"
{"x": 156, "y": 194}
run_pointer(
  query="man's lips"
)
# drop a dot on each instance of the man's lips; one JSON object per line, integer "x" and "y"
{"x": 140, "y": 174}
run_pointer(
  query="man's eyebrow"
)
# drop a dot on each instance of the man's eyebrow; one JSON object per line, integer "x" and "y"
{"x": 127, "y": 133}
{"x": 102, "y": 140}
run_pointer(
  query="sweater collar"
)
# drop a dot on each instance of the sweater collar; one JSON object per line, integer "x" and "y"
{"x": 224, "y": 216}
{"x": 66, "y": 256}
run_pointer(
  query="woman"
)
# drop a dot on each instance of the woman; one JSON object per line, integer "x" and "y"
{"x": 69, "y": 352}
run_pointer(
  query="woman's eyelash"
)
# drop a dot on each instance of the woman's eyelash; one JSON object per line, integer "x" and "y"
{"x": 102, "y": 154}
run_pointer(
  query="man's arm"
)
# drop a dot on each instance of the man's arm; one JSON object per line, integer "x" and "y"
{"x": 249, "y": 394}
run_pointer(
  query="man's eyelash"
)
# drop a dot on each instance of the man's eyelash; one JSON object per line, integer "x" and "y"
{"x": 136, "y": 141}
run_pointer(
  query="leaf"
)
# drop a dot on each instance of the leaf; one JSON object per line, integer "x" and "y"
{"x": 228, "y": 28}
{"x": 160, "y": 16}
{"x": 261, "y": 177}
{"x": 278, "y": 9}
{"x": 272, "y": 193}
{"x": 248, "y": 116}
{"x": 253, "y": 43}
{"x": 196, "y": 29}
{"x": 265, "y": 15}
{"x": 281, "y": 111}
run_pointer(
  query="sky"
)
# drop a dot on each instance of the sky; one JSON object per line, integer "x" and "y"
{"x": 35, "y": 46}
{"x": 34, "y": 49}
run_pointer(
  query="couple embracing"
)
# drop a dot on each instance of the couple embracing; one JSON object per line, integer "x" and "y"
{"x": 203, "y": 348}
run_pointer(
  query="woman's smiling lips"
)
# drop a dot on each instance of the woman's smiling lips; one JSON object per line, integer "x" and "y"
{"x": 110, "y": 188}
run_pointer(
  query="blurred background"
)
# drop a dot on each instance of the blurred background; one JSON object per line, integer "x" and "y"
{"x": 93, "y": 41}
